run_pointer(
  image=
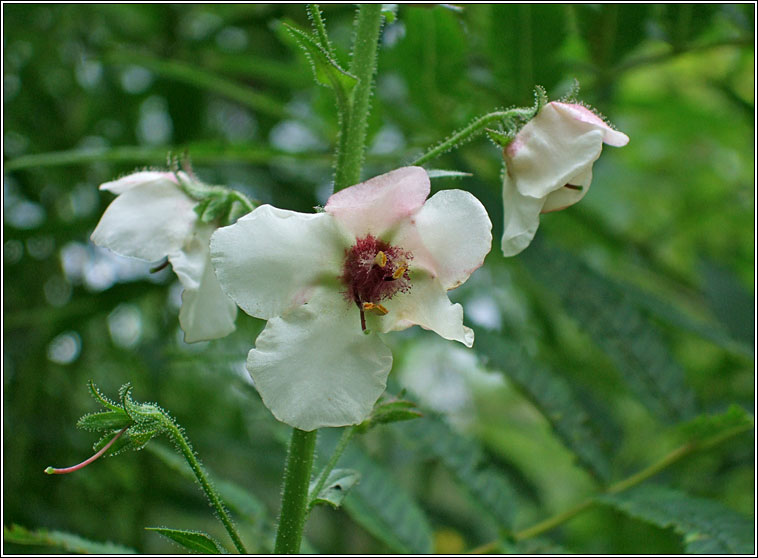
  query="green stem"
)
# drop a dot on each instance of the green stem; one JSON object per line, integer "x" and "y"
{"x": 344, "y": 440}
{"x": 297, "y": 476}
{"x": 197, "y": 468}
{"x": 468, "y": 133}
{"x": 352, "y": 146}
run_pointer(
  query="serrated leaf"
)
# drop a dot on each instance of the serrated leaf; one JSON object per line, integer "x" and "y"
{"x": 707, "y": 526}
{"x": 196, "y": 541}
{"x": 380, "y": 504}
{"x": 71, "y": 543}
{"x": 553, "y": 396}
{"x": 463, "y": 457}
{"x": 704, "y": 429}
{"x": 338, "y": 484}
{"x": 618, "y": 327}
{"x": 441, "y": 173}
{"x": 106, "y": 420}
{"x": 326, "y": 70}
{"x": 731, "y": 302}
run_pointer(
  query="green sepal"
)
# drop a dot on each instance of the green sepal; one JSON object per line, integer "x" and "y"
{"x": 326, "y": 70}
{"x": 499, "y": 138}
{"x": 393, "y": 410}
{"x": 105, "y": 420}
{"x": 338, "y": 484}
{"x": 104, "y": 401}
{"x": 122, "y": 444}
{"x": 196, "y": 541}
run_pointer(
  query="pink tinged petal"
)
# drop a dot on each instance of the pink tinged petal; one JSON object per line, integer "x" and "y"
{"x": 557, "y": 149}
{"x": 271, "y": 259}
{"x": 610, "y": 136}
{"x": 569, "y": 194}
{"x": 147, "y": 221}
{"x": 136, "y": 179}
{"x": 314, "y": 367}
{"x": 206, "y": 312}
{"x": 456, "y": 234}
{"x": 521, "y": 218}
{"x": 428, "y": 306}
{"x": 380, "y": 204}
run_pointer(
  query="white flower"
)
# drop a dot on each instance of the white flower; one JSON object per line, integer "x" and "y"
{"x": 377, "y": 259}
{"x": 549, "y": 167}
{"x": 153, "y": 218}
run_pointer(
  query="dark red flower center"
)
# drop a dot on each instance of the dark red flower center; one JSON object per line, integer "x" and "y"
{"x": 374, "y": 271}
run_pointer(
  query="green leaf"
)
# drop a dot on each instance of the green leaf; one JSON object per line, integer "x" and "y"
{"x": 382, "y": 507}
{"x": 71, "y": 543}
{"x": 338, "y": 484}
{"x": 106, "y": 420}
{"x": 193, "y": 540}
{"x": 326, "y": 70}
{"x": 553, "y": 396}
{"x": 619, "y": 328}
{"x": 708, "y": 429}
{"x": 731, "y": 302}
{"x": 707, "y": 526}
{"x": 488, "y": 487}
{"x": 611, "y": 30}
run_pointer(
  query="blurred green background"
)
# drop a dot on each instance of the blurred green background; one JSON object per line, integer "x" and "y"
{"x": 641, "y": 298}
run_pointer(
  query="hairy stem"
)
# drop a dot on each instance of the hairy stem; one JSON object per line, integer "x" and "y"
{"x": 363, "y": 66}
{"x": 184, "y": 447}
{"x": 297, "y": 476}
{"x": 467, "y": 134}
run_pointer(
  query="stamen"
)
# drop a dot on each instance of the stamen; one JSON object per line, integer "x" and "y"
{"x": 574, "y": 187}
{"x": 106, "y": 447}
{"x": 380, "y": 259}
{"x": 375, "y": 308}
{"x": 400, "y": 271}
{"x": 160, "y": 266}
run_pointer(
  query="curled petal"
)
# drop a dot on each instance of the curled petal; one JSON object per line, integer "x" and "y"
{"x": 456, "y": 235}
{"x": 206, "y": 312}
{"x": 147, "y": 221}
{"x": 136, "y": 179}
{"x": 314, "y": 367}
{"x": 582, "y": 113}
{"x": 381, "y": 203}
{"x": 271, "y": 259}
{"x": 427, "y": 305}
{"x": 522, "y": 218}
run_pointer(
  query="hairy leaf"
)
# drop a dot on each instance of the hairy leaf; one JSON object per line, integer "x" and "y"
{"x": 338, "y": 484}
{"x": 707, "y": 526}
{"x": 196, "y": 541}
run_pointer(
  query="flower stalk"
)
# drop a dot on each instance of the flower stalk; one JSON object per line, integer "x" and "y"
{"x": 297, "y": 476}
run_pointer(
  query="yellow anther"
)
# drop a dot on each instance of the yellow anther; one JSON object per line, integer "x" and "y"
{"x": 375, "y": 308}
{"x": 399, "y": 272}
{"x": 380, "y": 259}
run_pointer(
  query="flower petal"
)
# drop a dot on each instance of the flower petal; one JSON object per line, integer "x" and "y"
{"x": 136, "y": 179}
{"x": 206, "y": 312}
{"x": 147, "y": 221}
{"x": 580, "y": 112}
{"x": 314, "y": 367}
{"x": 270, "y": 260}
{"x": 521, "y": 217}
{"x": 569, "y": 194}
{"x": 456, "y": 234}
{"x": 553, "y": 149}
{"x": 379, "y": 204}
{"x": 427, "y": 305}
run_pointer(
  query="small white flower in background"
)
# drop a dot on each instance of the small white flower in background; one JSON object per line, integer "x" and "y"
{"x": 153, "y": 218}
{"x": 377, "y": 259}
{"x": 549, "y": 167}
